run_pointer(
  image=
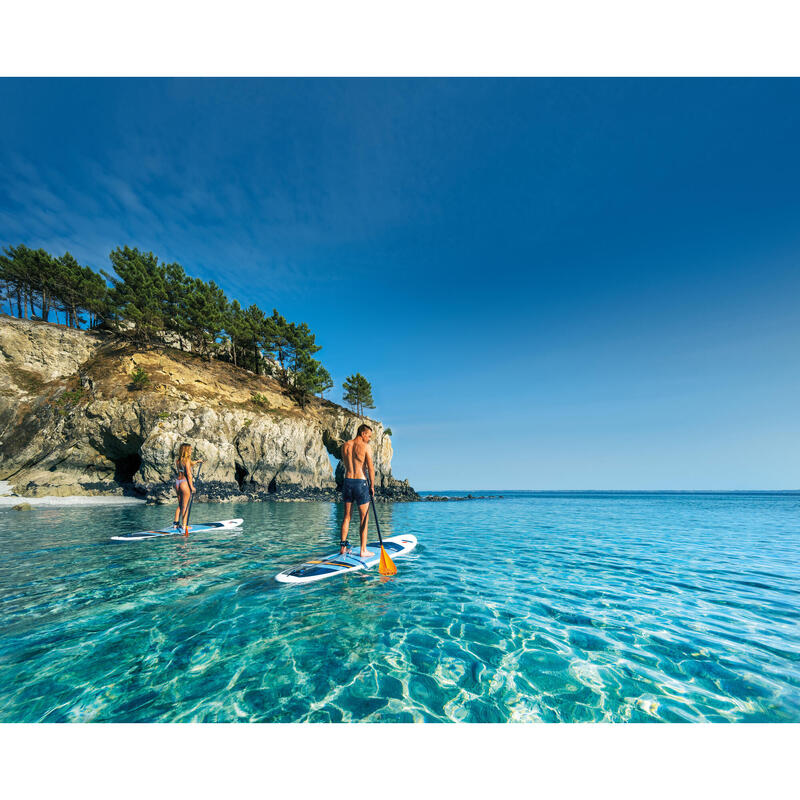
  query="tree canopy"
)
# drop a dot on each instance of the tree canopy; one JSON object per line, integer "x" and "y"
{"x": 153, "y": 302}
{"x": 31, "y": 278}
{"x": 358, "y": 393}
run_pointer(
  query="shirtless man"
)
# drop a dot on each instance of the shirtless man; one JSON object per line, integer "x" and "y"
{"x": 355, "y": 455}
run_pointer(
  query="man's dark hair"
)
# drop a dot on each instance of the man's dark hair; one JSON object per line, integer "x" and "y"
{"x": 362, "y": 428}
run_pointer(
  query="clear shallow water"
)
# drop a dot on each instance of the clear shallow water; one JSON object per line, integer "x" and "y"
{"x": 557, "y": 607}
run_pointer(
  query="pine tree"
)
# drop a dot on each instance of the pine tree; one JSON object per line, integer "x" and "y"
{"x": 323, "y": 381}
{"x": 300, "y": 347}
{"x": 138, "y": 293}
{"x": 358, "y": 393}
{"x": 177, "y": 287}
{"x": 12, "y": 278}
{"x": 68, "y": 277}
{"x": 94, "y": 296}
{"x": 279, "y": 341}
{"x": 22, "y": 269}
{"x": 255, "y": 332}
{"x": 42, "y": 266}
{"x": 234, "y": 328}
{"x": 58, "y": 285}
{"x": 204, "y": 307}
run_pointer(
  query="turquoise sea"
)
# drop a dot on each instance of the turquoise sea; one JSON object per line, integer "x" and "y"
{"x": 539, "y": 606}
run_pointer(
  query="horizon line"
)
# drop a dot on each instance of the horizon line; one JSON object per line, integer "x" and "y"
{"x": 610, "y": 490}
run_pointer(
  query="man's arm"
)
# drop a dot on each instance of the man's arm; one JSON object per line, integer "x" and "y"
{"x": 371, "y": 468}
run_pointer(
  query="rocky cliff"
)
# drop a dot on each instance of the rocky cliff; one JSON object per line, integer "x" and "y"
{"x": 71, "y": 423}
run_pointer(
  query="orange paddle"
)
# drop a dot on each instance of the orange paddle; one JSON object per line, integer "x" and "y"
{"x": 386, "y": 565}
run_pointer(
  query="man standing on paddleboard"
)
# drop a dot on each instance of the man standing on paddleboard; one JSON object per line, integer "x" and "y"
{"x": 356, "y": 455}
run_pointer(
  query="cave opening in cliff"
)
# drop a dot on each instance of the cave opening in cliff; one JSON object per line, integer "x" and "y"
{"x": 126, "y": 467}
{"x": 334, "y": 448}
{"x": 273, "y": 486}
{"x": 240, "y": 475}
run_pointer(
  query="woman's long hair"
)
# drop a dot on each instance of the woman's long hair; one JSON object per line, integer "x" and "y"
{"x": 184, "y": 454}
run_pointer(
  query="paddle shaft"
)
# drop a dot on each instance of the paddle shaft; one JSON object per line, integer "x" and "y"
{"x": 374, "y": 512}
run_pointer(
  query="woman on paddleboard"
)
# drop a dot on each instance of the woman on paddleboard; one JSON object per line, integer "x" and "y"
{"x": 184, "y": 486}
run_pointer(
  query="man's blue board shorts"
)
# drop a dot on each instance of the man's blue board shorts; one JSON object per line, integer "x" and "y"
{"x": 355, "y": 490}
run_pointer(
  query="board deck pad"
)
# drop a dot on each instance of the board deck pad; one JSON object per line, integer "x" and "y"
{"x": 336, "y": 564}
{"x": 199, "y": 527}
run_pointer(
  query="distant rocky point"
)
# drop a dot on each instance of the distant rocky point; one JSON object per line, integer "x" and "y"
{"x": 72, "y": 423}
{"x": 438, "y": 498}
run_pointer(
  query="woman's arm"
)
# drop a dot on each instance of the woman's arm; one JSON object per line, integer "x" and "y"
{"x": 189, "y": 476}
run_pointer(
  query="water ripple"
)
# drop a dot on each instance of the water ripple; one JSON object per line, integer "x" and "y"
{"x": 535, "y": 608}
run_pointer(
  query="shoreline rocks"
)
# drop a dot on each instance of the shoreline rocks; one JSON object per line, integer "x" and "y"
{"x": 438, "y": 498}
{"x": 222, "y": 492}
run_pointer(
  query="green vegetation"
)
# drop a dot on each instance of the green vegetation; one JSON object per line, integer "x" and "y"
{"x": 31, "y": 278}
{"x": 260, "y": 400}
{"x": 139, "y": 379}
{"x": 68, "y": 399}
{"x": 150, "y": 302}
{"x": 325, "y": 381}
{"x": 358, "y": 393}
{"x": 387, "y": 432}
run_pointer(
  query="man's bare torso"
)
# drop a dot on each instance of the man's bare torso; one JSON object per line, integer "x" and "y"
{"x": 354, "y": 454}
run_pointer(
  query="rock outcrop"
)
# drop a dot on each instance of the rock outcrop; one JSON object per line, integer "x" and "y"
{"x": 72, "y": 423}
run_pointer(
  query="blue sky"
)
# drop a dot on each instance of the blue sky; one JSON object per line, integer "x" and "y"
{"x": 550, "y": 283}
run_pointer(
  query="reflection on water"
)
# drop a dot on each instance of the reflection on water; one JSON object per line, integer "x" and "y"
{"x": 536, "y": 607}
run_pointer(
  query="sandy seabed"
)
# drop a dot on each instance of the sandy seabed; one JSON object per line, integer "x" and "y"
{"x": 8, "y": 499}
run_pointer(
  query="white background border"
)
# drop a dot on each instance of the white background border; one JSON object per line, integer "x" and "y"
{"x": 412, "y": 38}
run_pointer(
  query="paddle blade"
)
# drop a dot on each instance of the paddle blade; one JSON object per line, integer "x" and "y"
{"x": 386, "y": 566}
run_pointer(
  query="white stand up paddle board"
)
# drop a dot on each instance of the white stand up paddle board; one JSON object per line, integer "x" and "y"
{"x": 336, "y": 564}
{"x": 198, "y": 527}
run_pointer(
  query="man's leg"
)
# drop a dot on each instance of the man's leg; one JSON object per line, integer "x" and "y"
{"x": 364, "y": 511}
{"x": 348, "y": 508}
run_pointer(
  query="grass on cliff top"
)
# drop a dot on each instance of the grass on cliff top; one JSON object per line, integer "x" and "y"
{"x": 108, "y": 368}
{"x": 217, "y": 381}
